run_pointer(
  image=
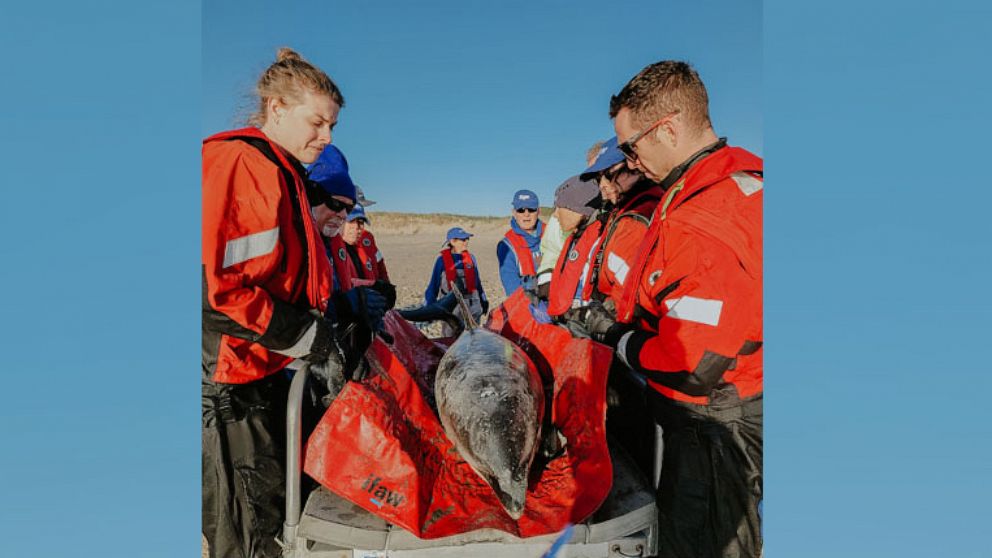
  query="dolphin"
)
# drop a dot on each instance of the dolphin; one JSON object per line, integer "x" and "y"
{"x": 491, "y": 404}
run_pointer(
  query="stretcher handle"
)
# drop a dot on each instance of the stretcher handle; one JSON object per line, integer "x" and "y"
{"x": 294, "y": 451}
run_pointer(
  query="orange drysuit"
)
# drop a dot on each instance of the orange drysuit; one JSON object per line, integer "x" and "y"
{"x": 264, "y": 266}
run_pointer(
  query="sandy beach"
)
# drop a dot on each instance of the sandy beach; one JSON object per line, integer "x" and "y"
{"x": 411, "y": 242}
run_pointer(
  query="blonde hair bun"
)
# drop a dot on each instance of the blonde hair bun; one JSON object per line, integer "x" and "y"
{"x": 286, "y": 53}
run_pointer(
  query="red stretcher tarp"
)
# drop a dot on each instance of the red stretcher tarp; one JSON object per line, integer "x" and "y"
{"x": 381, "y": 446}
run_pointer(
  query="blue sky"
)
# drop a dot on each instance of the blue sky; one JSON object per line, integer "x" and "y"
{"x": 452, "y": 106}
{"x": 874, "y": 119}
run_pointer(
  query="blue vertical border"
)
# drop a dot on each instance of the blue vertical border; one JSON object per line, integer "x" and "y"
{"x": 100, "y": 278}
{"x": 877, "y": 254}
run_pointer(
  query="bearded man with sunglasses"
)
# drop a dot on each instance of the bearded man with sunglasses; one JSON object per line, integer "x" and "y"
{"x": 690, "y": 315}
{"x": 353, "y": 308}
{"x": 519, "y": 252}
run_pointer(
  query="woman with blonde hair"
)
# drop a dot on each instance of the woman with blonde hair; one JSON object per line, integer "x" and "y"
{"x": 266, "y": 285}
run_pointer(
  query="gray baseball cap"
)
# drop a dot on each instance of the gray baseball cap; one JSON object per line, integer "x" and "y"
{"x": 576, "y": 194}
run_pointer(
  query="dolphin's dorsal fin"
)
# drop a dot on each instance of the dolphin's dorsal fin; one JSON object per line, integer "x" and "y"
{"x": 466, "y": 313}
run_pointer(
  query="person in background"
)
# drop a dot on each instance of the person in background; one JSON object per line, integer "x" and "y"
{"x": 576, "y": 215}
{"x": 519, "y": 251}
{"x": 629, "y": 201}
{"x": 553, "y": 238}
{"x": 689, "y": 318}
{"x": 367, "y": 239}
{"x": 335, "y": 188}
{"x": 454, "y": 268}
{"x": 362, "y": 257}
{"x": 361, "y": 303}
{"x": 266, "y": 287}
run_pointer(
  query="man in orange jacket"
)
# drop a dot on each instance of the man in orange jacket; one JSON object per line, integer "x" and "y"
{"x": 356, "y": 301}
{"x": 689, "y": 318}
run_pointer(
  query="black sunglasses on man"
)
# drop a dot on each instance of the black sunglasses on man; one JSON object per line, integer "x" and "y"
{"x": 627, "y": 147}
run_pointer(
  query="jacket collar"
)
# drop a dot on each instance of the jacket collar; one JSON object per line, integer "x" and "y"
{"x": 684, "y": 167}
{"x": 253, "y": 132}
{"x": 707, "y": 169}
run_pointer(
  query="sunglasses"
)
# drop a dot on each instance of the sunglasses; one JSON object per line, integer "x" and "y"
{"x": 526, "y": 210}
{"x": 338, "y": 205}
{"x": 627, "y": 147}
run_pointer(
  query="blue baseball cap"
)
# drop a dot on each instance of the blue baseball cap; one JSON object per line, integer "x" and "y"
{"x": 330, "y": 172}
{"x": 525, "y": 199}
{"x": 459, "y": 233}
{"x": 358, "y": 213}
{"x": 609, "y": 155}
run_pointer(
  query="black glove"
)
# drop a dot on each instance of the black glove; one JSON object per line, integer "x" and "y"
{"x": 358, "y": 305}
{"x": 379, "y": 299}
{"x": 376, "y": 306}
{"x": 355, "y": 340}
{"x": 485, "y": 306}
{"x": 327, "y": 359}
{"x": 602, "y": 324}
{"x": 544, "y": 290}
{"x": 330, "y": 374}
{"x": 358, "y": 315}
{"x": 387, "y": 290}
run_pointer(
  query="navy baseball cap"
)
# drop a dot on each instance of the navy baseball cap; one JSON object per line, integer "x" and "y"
{"x": 525, "y": 199}
{"x": 458, "y": 233}
{"x": 358, "y": 213}
{"x": 609, "y": 155}
{"x": 361, "y": 197}
{"x": 330, "y": 172}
